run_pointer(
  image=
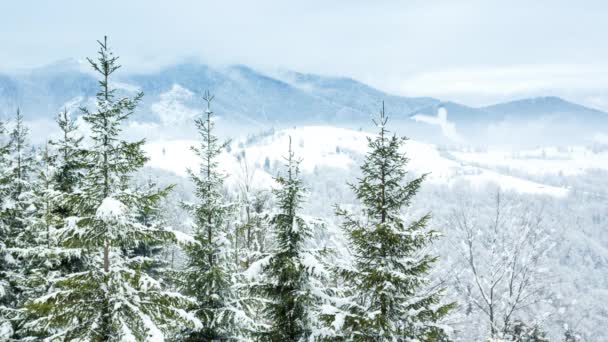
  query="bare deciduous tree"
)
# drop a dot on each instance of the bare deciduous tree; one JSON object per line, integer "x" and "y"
{"x": 502, "y": 248}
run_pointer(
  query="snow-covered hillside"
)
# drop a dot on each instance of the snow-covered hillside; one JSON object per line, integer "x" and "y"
{"x": 252, "y": 99}
{"x": 340, "y": 149}
{"x": 573, "y": 160}
{"x": 331, "y": 156}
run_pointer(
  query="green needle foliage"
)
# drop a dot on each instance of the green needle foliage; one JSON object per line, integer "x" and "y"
{"x": 386, "y": 294}
{"x": 209, "y": 274}
{"x": 287, "y": 279}
{"x": 112, "y": 298}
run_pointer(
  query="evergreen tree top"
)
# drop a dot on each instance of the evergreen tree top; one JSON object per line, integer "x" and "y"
{"x": 291, "y": 230}
{"x": 19, "y": 133}
{"x": 210, "y": 147}
{"x": 291, "y": 180}
{"x": 106, "y": 121}
{"x": 69, "y": 130}
{"x": 382, "y": 189}
{"x": 211, "y": 209}
{"x": 106, "y": 64}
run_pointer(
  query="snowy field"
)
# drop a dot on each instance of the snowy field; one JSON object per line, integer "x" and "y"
{"x": 340, "y": 149}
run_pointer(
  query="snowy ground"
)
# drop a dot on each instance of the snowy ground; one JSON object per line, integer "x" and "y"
{"x": 340, "y": 149}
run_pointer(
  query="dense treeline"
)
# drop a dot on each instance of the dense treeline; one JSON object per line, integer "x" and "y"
{"x": 82, "y": 245}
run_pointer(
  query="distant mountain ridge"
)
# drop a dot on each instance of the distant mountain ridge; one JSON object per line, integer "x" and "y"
{"x": 546, "y": 105}
{"x": 252, "y": 98}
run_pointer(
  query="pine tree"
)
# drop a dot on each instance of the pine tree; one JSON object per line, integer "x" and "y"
{"x": 386, "y": 299}
{"x": 209, "y": 273}
{"x": 65, "y": 180}
{"x": 19, "y": 216}
{"x": 43, "y": 222}
{"x": 571, "y": 335}
{"x": 7, "y": 291}
{"x": 287, "y": 279}
{"x": 520, "y": 332}
{"x": 250, "y": 243}
{"x": 19, "y": 209}
{"x": 68, "y": 163}
{"x": 148, "y": 213}
{"x": 42, "y": 259}
{"x": 113, "y": 298}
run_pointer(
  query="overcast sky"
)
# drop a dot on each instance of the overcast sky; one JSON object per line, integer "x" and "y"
{"x": 474, "y": 52}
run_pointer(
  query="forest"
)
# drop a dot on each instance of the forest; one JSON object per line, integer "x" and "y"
{"x": 93, "y": 246}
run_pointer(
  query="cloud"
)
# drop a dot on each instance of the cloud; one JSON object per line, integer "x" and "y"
{"x": 448, "y": 48}
{"x": 486, "y": 85}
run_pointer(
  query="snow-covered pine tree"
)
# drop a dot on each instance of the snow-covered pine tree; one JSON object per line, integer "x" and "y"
{"x": 68, "y": 163}
{"x": 209, "y": 273}
{"x": 20, "y": 207}
{"x": 113, "y": 298}
{"x": 43, "y": 260}
{"x": 520, "y": 332}
{"x": 7, "y": 292}
{"x": 252, "y": 230}
{"x": 38, "y": 257}
{"x": 67, "y": 174}
{"x": 288, "y": 276}
{"x": 19, "y": 210}
{"x": 19, "y": 216}
{"x": 255, "y": 227}
{"x": 148, "y": 213}
{"x": 569, "y": 335}
{"x": 45, "y": 200}
{"x": 385, "y": 287}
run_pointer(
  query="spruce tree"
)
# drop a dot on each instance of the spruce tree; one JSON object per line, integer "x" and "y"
{"x": 65, "y": 180}
{"x": 149, "y": 213}
{"x": 43, "y": 258}
{"x": 19, "y": 209}
{"x": 68, "y": 163}
{"x": 209, "y": 273}
{"x": 287, "y": 280}
{"x": 571, "y": 335}
{"x": 251, "y": 243}
{"x": 520, "y": 332}
{"x": 112, "y": 298}
{"x": 7, "y": 266}
{"x": 19, "y": 216}
{"x": 386, "y": 298}
{"x": 41, "y": 255}
{"x": 255, "y": 227}
{"x": 45, "y": 261}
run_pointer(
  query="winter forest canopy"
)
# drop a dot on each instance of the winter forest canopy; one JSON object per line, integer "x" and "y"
{"x": 99, "y": 241}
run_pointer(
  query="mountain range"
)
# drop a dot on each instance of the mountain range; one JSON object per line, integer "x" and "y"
{"x": 257, "y": 100}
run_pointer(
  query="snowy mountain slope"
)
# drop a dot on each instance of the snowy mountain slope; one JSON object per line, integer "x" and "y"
{"x": 43, "y": 91}
{"x": 543, "y": 106}
{"x": 333, "y": 148}
{"x": 254, "y": 100}
{"x": 356, "y": 98}
{"x": 240, "y": 92}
